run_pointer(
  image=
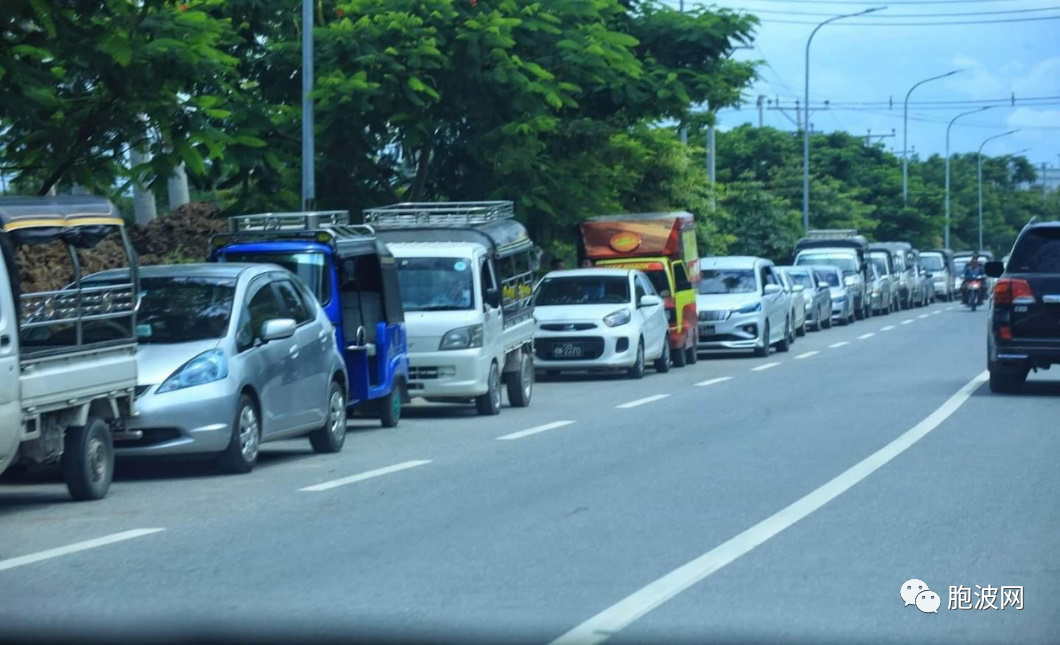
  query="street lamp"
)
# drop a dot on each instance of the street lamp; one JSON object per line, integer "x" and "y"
{"x": 979, "y": 154}
{"x": 308, "y": 165}
{"x": 806, "y": 127}
{"x": 905, "y": 134}
{"x": 946, "y": 241}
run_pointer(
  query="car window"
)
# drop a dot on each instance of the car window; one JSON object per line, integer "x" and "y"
{"x": 260, "y": 308}
{"x": 1038, "y": 251}
{"x": 768, "y": 277}
{"x": 719, "y": 281}
{"x": 292, "y": 301}
{"x": 638, "y": 285}
{"x": 646, "y": 285}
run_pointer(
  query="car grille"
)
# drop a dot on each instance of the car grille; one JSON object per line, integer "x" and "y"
{"x": 591, "y": 347}
{"x": 722, "y": 338}
{"x": 708, "y": 316}
{"x": 568, "y": 326}
{"x": 423, "y": 373}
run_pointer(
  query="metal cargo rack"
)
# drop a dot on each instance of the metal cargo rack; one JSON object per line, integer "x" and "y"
{"x": 832, "y": 234}
{"x": 417, "y": 214}
{"x": 292, "y": 221}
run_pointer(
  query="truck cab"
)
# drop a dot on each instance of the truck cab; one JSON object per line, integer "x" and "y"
{"x": 354, "y": 277}
{"x": 848, "y": 252}
{"x": 466, "y": 271}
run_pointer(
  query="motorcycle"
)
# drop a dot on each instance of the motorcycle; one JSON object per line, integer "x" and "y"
{"x": 975, "y": 291}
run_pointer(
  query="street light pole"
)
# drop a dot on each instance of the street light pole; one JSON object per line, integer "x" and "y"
{"x": 806, "y": 128}
{"x": 979, "y": 155}
{"x": 905, "y": 134}
{"x": 946, "y": 240}
{"x": 308, "y": 149}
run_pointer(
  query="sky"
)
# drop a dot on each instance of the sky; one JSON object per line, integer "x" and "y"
{"x": 860, "y": 60}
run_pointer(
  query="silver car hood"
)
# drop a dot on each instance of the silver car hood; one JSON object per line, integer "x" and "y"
{"x": 725, "y": 301}
{"x": 156, "y": 362}
{"x": 568, "y": 313}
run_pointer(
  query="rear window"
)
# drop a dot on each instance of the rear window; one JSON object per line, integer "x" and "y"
{"x": 1038, "y": 251}
{"x": 802, "y": 279}
{"x": 931, "y": 262}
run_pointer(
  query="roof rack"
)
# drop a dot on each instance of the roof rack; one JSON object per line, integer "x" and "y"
{"x": 287, "y": 222}
{"x": 832, "y": 233}
{"x": 416, "y": 214}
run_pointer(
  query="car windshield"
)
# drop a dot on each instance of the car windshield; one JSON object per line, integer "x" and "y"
{"x": 830, "y": 277}
{"x": 311, "y": 268}
{"x": 880, "y": 263}
{"x": 841, "y": 262}
{"x": 931, "y": 262}
{"x": 719, "y": 281}
{"x": 583, "y": 290}
{"x": 802, "y": 279}
{"x": 181, "y": 309}
{"x": 1038, "y": 251}
{"x": 436, "y": 284}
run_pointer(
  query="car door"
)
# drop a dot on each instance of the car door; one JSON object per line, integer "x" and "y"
{"x": 310, "y": 364}
{"x": 774, "y": 304}
{"x": 493, "y": 323}
{"x": 654, "y": 322}
{"x": 10, "y": 412}
{"x": 270, "y": 366}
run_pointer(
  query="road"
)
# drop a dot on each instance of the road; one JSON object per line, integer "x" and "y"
{"x": 785, "y": 498}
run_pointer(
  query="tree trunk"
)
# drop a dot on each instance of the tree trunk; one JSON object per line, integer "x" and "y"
{"x": 423, "y": 164}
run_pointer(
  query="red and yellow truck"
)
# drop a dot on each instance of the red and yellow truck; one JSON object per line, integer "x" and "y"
{"x": 662, "y": 245}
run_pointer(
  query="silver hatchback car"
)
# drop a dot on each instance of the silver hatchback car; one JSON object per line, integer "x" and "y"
{"x": 230, "y": 356}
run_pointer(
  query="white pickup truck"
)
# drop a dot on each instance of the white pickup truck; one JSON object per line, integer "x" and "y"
{"x": 466, "y": 271}
{"x": 68, "y": 355}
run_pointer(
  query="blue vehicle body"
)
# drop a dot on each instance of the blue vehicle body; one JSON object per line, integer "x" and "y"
{"x": 354, "y": 278}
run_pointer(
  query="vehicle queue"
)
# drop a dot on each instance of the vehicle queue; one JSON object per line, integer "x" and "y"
{"x": 295, "y": 321}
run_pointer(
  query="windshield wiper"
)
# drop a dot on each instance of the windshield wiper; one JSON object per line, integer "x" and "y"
{"x": 439, "y": 308}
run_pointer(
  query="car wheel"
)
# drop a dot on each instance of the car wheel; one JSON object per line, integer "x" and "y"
{"x": 801, "y": 331}
{"x": 521, "y": 383}
{"x": 331, "y": 436}
{"x": 828, "y": 320}
{"x": 662, "y": 364}
{"x": 1007, "y": 380}
{"x": 489, "y": 404}
{"x": 88, "y": 460}
{"x": 763, "y": 346}
{"x": 637, "y": 370}
{"x": 692, "y": 353}
{"x": 390, "y": 407}
{"x": 785, "y": 342}
{"x": 242, "y": 452}
{"x": 859, "y": 313}
{"x": 680, "y": 357}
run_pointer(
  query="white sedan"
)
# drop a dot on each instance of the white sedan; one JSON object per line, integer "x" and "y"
{"x": 593, "y": 319}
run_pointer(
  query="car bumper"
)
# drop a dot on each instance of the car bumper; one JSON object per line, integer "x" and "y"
{"x": 740, "y": 331}
{"x": 840, "y": 309}
{"x": 1029, "y": 353}
{"x": 457, "y": 374}
{"x": 600, "y": 348}
{"x": 194, "y": 420}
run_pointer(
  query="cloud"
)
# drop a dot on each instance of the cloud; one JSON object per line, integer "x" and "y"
{"x": 1024, "y": 117}
{"x": 1042, "y": 80}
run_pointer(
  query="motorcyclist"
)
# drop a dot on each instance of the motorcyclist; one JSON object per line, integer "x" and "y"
{"x": 973, "y": 271}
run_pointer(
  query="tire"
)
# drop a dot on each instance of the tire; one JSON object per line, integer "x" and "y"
{"x": 489, "y": 404}
{"x": 692, "y": 354}
{"x": 785, "y": 343}
{"x": 88, "y": 460}
{"x": 390, "y": 406}
{"x": 521, "y": 383}
{"x": 662, "y": 364}
{"x": 241, "y": 455}
{"x": 330, "y": 437}
{"x": 801, "y": 331}
{"x": 679, "y": 358}
{"x": 1007, "y": 381}
{"x": 763, "y": 350}
{"x": 859, "y": 313}
{"x": 637, "y": 370}
{"x": 828, "y": 320}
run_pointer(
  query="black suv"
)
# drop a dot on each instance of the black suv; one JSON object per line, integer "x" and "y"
{"x": 1025, "y": 314}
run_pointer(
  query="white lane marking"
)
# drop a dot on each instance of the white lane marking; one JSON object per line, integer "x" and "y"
{"x": 839, "y": 344}
{"x": 806, "y": 355}
{"x": 922, "y": 316}
{"x": 534, "y": 430}
{"x": 74, "y": 548}
{"x": 647, "y": 399}
{"x": 720, "y": 379}
{"x": 950, "y": 308}
{"x": 935, "y": 313}
{"x": 610, "y": 621}
{"x": 888, "y": 328}
{"x": 353, "y": 479}
{"x": 868, "y": 335}
{"x": 767, "y": 366}
{"x": 906, "y": 322}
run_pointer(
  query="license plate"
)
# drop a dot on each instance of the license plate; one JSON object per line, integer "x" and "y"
{"x": 567, "y": 350}
{"x": 706, "y": 330}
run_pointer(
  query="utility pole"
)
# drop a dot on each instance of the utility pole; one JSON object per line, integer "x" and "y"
{"x": 869, "y": 136}
{"x": 308, "y": 148}
{"x": 761, "y": 103}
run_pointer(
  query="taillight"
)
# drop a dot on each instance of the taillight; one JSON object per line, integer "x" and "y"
{"x": 1009, "y": 289}
{"x": 1005, "y": 332}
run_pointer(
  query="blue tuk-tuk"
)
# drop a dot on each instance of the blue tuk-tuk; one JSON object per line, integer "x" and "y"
{"x": 354, "y": 277}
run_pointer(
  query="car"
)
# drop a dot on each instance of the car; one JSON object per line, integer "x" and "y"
{"x": 816, "y": 296}
{"x": 600, "y": 319}
{"x": 926, "y": 283}
{"x": 939, "y": 263}
{"x": 842, "y": 303}
{"x": 1024, "y": 327}
{"x": 880, "y": 294}
{"x": 231, "y": 355}
{"x": 742, "y": 305}
{"x": 801, "y": 298}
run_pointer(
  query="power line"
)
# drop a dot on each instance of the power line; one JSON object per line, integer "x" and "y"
{"x": 872, "y": 2}
{"x": 915, "y": 24}
{"x": 783, "y": 12}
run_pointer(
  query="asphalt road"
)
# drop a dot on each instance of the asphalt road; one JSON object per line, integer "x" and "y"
{"x": 786, "y": 498}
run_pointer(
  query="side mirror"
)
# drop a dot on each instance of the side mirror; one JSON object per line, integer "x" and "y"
{"x": 771, "y": 289}
{"x": 493, "y": 298}
{"x": 649, "y": 301}
{"x": 823, "y": 285}
{"x": 277, "y": 329}
{"x": 994, "y": 269}
{"x": 798, "y": 288}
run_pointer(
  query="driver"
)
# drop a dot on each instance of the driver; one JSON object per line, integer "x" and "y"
{"x": 972, "y": 271}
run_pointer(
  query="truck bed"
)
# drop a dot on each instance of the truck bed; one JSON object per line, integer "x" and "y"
{"x": 63, "y": 379}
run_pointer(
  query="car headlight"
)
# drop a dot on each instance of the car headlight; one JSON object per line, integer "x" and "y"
{"x": 850, "y": 281}
{"x": 462, "y": 338}
{"x": 749, "y": 309}
{"x": 618, "y": 318}
{"x": 839, "y": 299}
{"x": 207, "y": 367}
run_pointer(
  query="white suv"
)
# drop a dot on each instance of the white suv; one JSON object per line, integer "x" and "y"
{"x": 742, "y": 305}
